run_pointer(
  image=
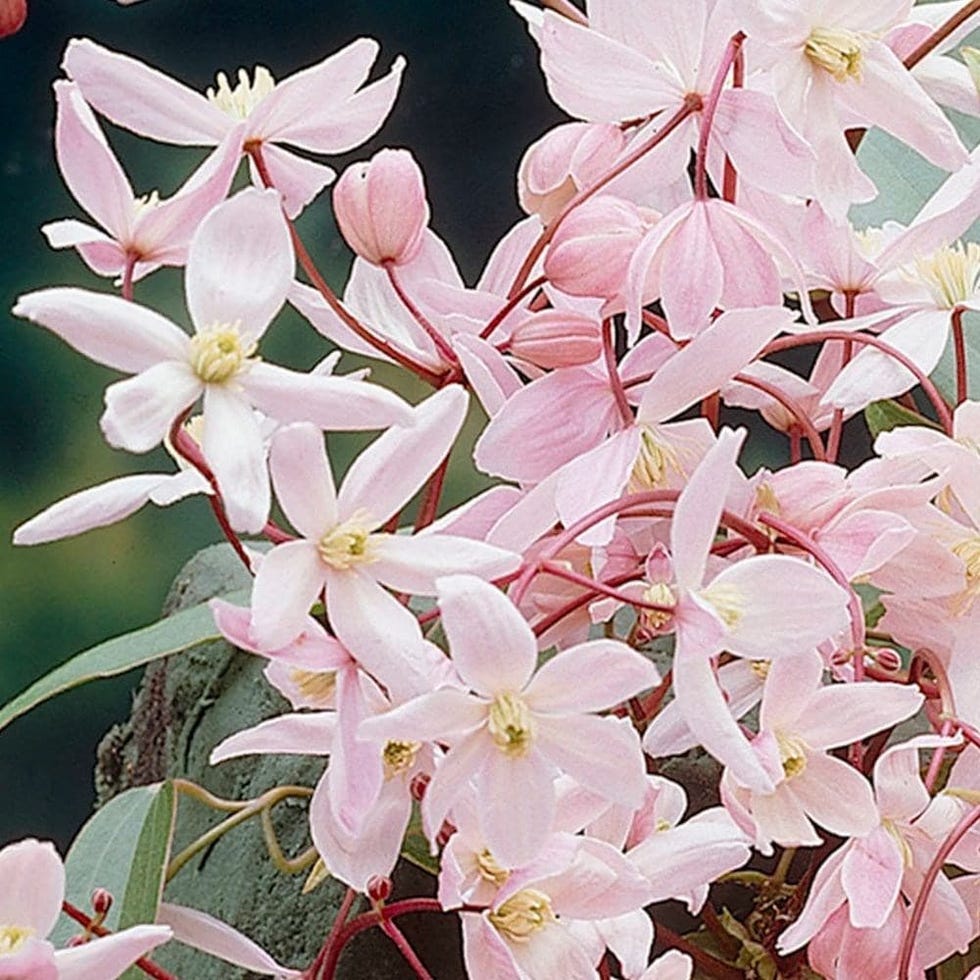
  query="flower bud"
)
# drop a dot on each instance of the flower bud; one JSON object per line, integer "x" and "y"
{"x": 888, "y": 659}
{"x": 381, "y": 208}
{"x": 13, "y": 13}
{"x": 557, "y": 339}
{"x": 101, "y": 901}
{"x": 379, "y": 888}
{"x": 418, "y": 786}
{"x": 76, "y": 941}
{"x": 591, "y": 251}
{"x": 563, "y": 162}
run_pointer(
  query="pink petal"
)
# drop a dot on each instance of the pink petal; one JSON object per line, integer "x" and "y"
{"x": 34, "y": 885}
{"x": 393, "y": 468}
{"x": 90, "y": 168}
{"x": 204, "y": 932}
{"x": 303, "y": 480}
{"x": 602, "y": 754}
{"x": 444, "y": 714}
{"x": 412, "y": 563}
{"x": 492, "y": 645}
{"x": 297, "y": 179}
{"x": 291, "y": 734}
{"x": 142, "y": 99}
{"x": 836, "y": 796}
{"x": 493, "y": 380}
{"x": 484, "y": 951}
{"x": 871, "y": 877}
{"x": 688, "y": 299}
{"x": 452, "y": 777}
{"x": 108, "y": 957}
{"x": 233, "y": 446}
{"x": 330, "y": 402}
{"x": 784, "y": 605}
{"x": 780, "y": 817}
{"x": 108, "y": 329}
{"x": 699, "y": 508}
{"x": 791, "y": 683}
{"x": 518, "y": 805}
{"x": 240, "y": 264}
{"x": 592, "y": 676}
{"x": 287, "y": 583}
{"x": 140, "y": 411}
{"x": 826, "y": 895}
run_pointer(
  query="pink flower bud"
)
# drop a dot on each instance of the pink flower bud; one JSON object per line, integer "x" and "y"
{"x": 557, "y": 338}
{"x": 888, "y": 660}
{"x": 379, "y": 888}
{"x": 591, "y": 251}
{"x": 563, "y": 162}
{"x": 418, "y": 786}
{"x": 13, "y": 13}
{"x": 101, "y": 901}
{"x": 381, "y": 207}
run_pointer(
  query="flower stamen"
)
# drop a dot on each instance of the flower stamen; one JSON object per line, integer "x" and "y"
{"x": 239, "y": 101}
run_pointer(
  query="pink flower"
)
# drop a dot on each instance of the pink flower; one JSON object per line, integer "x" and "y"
{"x": 30, "y": 903}
{"x": 381, "y": 208}
{"x": 238, "y": 271}
{"x": 145, "y": 231}
{"x": 322, "y": 109}
{"x": 520, "y": 726}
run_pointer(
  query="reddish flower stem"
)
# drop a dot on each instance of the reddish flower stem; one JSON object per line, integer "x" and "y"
{"x": 837, "y": 421}
{"x": 511, "y": 305}
{"x": 959, "y": 348}
{"x": 313, "y": 971}
{"x": 692, "y": 104}
{"x": 939, "y": 753}
{"x": 709, "y": 964}
{"x": 430, "y": 502}
{"x": 559, "y": 571}
{"x": 405, "y": 948}
{"x": 793, "y": 407}
{"x": 127, "y": 276}
{"x": 708, "y": 115}
{"x": 964, "y": 826}
{"x": 566, "y": 9}
{"x": 941, "y": 33}
{"x": 612, "y": 369}
{"x": 448, "y": 354}
{"x": 309, "y": 266}
{"x": 730, "y": 181}
{"x": 147, "y": 966}
{"x": 819, "y": 336}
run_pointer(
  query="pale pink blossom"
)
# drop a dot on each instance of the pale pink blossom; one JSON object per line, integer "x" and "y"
{"x": 322, "y": 109}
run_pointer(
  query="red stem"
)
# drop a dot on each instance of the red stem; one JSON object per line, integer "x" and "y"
{"x": 730, "y": 181}
{"x": 941, "y": 33}
{"x": 558, "y": 571}
{"x": 692, "y": 104}
{"x": 819, "y": 336}
{"x": 959, "y": 347}
{"x": 837, "y": 421}
{"x": 615, "y": 381}
{"x": 430, "y": 503}
{"x": 918, "y": 909}
{"x": 511, "y": 305}
{"x": 448, "y": 354}
{"x": 127, "y": 276}
{"x": 793, "y": 407}
{"x": 405, "y": 948}
{"x": 708, "y": 115}
{"x": 147, "y": 966}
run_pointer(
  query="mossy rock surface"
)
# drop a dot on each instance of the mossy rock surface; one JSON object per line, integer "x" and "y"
{"x": 183, "y": 708}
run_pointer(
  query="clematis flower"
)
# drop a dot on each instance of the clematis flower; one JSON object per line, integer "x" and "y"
{"x": 519, "y": 727}
{"x": 143, "y": 231}
{"x": 239, "y": 268}
{"x": 322, "y": 109}
{"x": 30, "y": 903}
{"x": 342, "y": 547}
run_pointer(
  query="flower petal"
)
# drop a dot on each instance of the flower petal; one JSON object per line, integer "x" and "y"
{"x": 303, "y": 479}
{"x": 290, "y": 734}
{"x": 109, "y": 957}
{"x": 287, "y": 583}
{"x": 33, "y": 879}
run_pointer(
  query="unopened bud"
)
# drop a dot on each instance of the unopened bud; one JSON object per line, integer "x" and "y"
{"x": 564, "y": 161}
{"x": 13, "y": 13}
{"x": 76, "y": 941}
{"x": 888, "y": 659}
{"x": 381, "y": 208}
{"x": 591, "y": 251}
{"x": 379, "y": 888}
{"x": 418, "y": 786}
{"x": 445, "y": 832}
{"x": 557, "y": 338}
{"x": 101, "y": 901}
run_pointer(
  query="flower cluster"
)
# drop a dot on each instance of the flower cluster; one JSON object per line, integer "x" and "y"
{"x": 520, "y": 672}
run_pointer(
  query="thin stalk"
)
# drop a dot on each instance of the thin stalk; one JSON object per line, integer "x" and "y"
{"x": 729, "y": 187}
{"x": 147, "y": 966}
{"x": 558, "y": 571}
{"x": 200, "y": 794}
{"x": 692, "y": 104}
{"x": 405, "y": 948}
{"x": 447, "y": 353}
{"x": 289, "y": 866}
{"x": 708, "y": 115}
{"x": 837, "y": 420}
{"x": 959, "y": 348}
{"x": 433, "y": 492}
{"x": 709, "y": 964}
{"x": 792, "y": 406}
{"x": 350, "y": 896}
{"x": 939, "y": 753}
{"x": 511, "y": 305}
{"x": 615, "y": 381}
{"x": 127, "y": 276}
{"x": 941, "y": 33}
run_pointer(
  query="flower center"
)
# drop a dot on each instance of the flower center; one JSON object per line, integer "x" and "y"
{"x": 510, "y": 724}
{"x": 660, "y": 594}
{"x": 952, "y": 274}
{"x": 317, "y": 686}
{"x": 968, "y": 552}
{"x": 489, "y": 870}
{"x": 792, "y": 754}
{"x": 146, "y": 203}
{"x": 838, "y": 51}
{"x": 217, "y": 353}
{"x": 239, "y": 101}
{"x": 520, "y": 917}
{"x": 399, "y": 757}
{"x": 653, "y": 462}
{"x": 12, "y": 938}
{"x": 727, "y": 602}
{"x": 347, "y": 544}
{"x": 760, "y": 668}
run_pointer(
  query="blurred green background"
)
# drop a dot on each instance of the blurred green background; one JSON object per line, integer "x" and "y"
{"x": 471, "y": 100}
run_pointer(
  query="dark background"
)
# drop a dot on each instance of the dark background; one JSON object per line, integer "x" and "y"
{"x": 472, "y": 98}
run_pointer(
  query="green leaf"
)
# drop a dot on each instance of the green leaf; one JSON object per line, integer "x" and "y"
{"x": 124, "y": 848}
{"x": 116, "y": 656}
{"x": 416, "y": 847}
{"x": 884, "y": 416}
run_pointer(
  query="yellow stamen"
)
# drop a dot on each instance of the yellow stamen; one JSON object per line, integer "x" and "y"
{"x": 660, "y": 594}
{"x": 317, "y": 686}
{"x": 727, "y": 602}
{"x": 240, "y": 100}
{"x": 399, "y": 757}
{"x": 12, "y": 938}
{"x": 510, "y": 724}
{"x": 654, "y": 462}
{"x": 520, "y": 917}
{"x": 952, "y": 274}
{"x": 146, "y": 203}
{"x": 838, "y": 51}
{"x": 347, "y": 544}
{"x": 217, "y": 354}
{"x": 792, "y": 754}
{"x": 489, "y": 870}
{"x": 760, "y": 668}
{"x": 968, "y": 552}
